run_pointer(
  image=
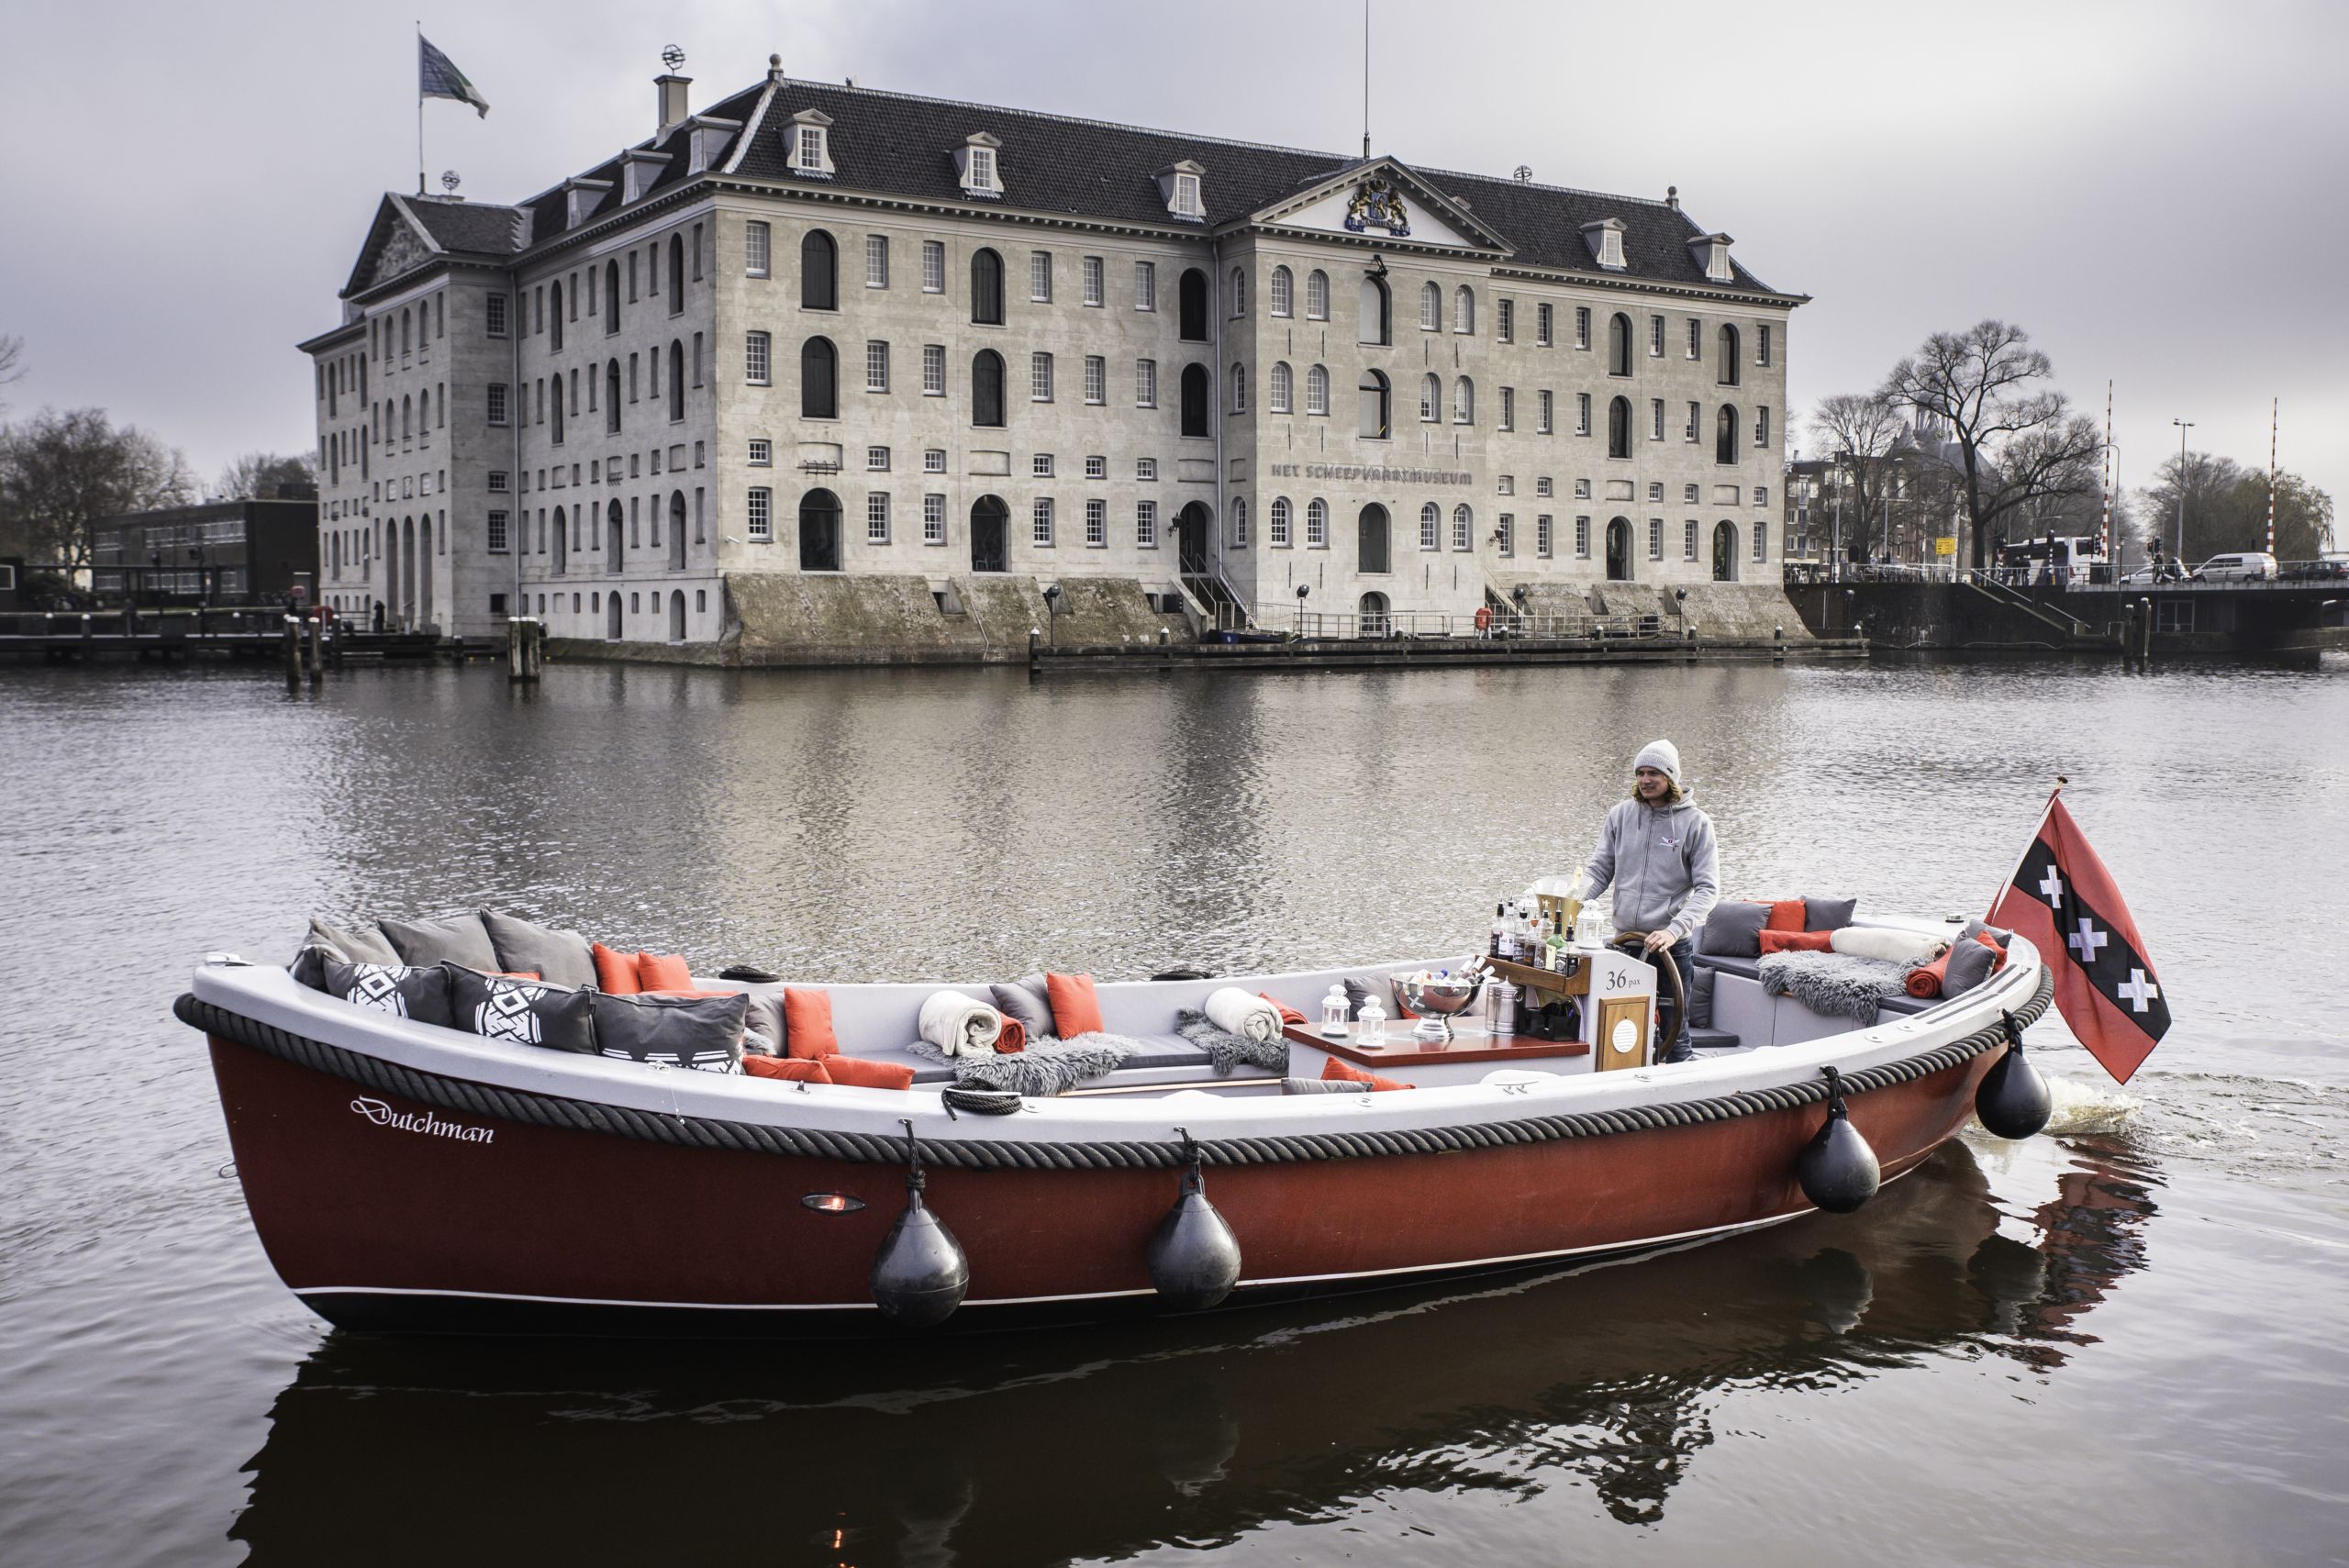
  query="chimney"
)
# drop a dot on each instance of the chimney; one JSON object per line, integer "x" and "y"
{"x": 672, "y": 88}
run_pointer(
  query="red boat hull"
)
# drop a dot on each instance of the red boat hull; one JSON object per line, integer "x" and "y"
{"x": 387, "y": 1213}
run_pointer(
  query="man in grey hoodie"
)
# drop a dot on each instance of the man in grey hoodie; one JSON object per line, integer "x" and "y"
{"x": 1657, "y": 850}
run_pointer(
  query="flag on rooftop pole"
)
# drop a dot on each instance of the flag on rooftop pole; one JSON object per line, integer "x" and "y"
{"x": 2065, "y": 901}
{"x": 436, "y": 76}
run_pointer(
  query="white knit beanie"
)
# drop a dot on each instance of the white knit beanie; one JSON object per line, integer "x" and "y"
{"x": 1661, "y": 755}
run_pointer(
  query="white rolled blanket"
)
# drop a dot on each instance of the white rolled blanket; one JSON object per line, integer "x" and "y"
{"x": 1235, "y": 1011}
{"x": 959, "y": 1025}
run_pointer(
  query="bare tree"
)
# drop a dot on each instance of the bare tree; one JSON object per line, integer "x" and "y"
{"x": 2019, "y": 441}
{"x": 1860, "y": 429}
{"x": 11, "y": 363}
{"x": 267, "y": 476}
{"x": 60, "y": 472}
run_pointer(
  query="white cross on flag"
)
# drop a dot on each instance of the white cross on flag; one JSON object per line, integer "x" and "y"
{"x": 2065, "y": 901}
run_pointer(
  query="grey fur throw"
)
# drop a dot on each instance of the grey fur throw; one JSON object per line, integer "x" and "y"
{"x": 1047, "y": 1067}
{"x": 1834, "y": 984}
{"x": 1227, "y": 1050}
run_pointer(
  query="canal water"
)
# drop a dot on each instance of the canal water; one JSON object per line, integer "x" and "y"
{"x": 2127, "y": 1343}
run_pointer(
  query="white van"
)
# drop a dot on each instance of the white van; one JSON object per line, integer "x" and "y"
{"x": 2253, "y": 565}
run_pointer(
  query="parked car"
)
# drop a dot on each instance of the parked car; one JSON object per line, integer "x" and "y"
{"x": 2331, "y": 566}
{"x": 2245, "y": 566}
{"x": 2149, "y": 574}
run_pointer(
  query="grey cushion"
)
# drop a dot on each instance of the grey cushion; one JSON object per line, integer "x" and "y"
{"x": 1701, "y": 996}
{"x": 1733, "y": 930}
{"x": 309, "y": 966}
{"x": 1827, "y": 913}
{"x": 353, "y": 944}
{"x": 419, "y": 993}
{"x": 460, "y": 939}
{"x": 1360, "y": 988}
{"x": 1970, "y": 964}
{"x": 558, "y": 958}
{"x": 764, "y": 1019}
{"x": 1027, "y": 1000}
{"x": 704, "y": 1033}
{"x": 527, "y": 1012}
{"x": 1983, "y": 927}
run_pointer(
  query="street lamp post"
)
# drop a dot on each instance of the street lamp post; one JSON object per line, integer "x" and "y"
{"x": 2179, "y": 555}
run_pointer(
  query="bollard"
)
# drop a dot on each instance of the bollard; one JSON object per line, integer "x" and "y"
{"x": 317, "y": 650}
{"x": 293, "y": 655}
{"x": 523, "y": 654}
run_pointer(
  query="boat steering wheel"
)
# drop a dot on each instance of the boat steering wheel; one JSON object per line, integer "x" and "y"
{"x": 1634, "y": 943}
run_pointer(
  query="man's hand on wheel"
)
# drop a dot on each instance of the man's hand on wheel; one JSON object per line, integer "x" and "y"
{"x": 1659, "y": 941}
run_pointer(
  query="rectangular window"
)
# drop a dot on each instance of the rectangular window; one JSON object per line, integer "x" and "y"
{"x": 933, "y": 460}
{"x": 933, "y": 266}
{"x": 1040, "y": 528}
{"x": 1146, "y": 524}
{"x": 1145, "y": 285}
{"x": 876, "y": 517}
{"x": 1761, "y": 540}
{"x": 1541, "y": 532}
{"x": 497, "y": 403}
{"x": 1040, "y": 276}
{"x": 1096, "y": 379}
{"x": 933, "y": 370}
{"x": 1097, "y": 468}
{"x": 1097, "y": 524}
{"x": 1582, "y": 538}
{"x": 754, "y": 359}
{"x": 1696, "y": 339}
{"x": 758, "y": 516}
{"x": 1696, "y": 419}
{"x": 1762, "y": 345}
{"x": 1582, "y": 327}
{"x": 1508, "y": 484}
{"x": 1582, "y": 489}
{"x": 934, "y": 519}
{"x": 1091, "y": 269}
{"x": 1655, "y": 336}
{"x": 756, "y": 240}
{"x": 876, "y": 459}
{"x": 1146, "y": 469}
{"x": 1507, "y": 531}
{"x": 1656, "y": 418}
{"x": 1762, "y": 427}
{"x": 1041, "y": 466}
{"x": 1509, "y": 408}
{"x": 1145, "y": 382}
{"x": 1504, "y": 324}
{"x": 1655, "y": 489}
{"x": 1544, "y": 319}
{"x": 1688, "y": 494}
{"x": 1688, "y": 539}
{"x": 1039, "y": 378}
{"x": 493, "y": 315}
{"x": 1656, "y": 538}
{"x": 1545, "y": 412}
{"x": 498, "y": 482}
{"x": 496, "y": 533}
{"x": 876, "y": 260}
{"x": 1582, "y": 413}
{"x": 877, "y": 366}
{"x": 1761, "y": 495}
{"x": 761, "y": 452}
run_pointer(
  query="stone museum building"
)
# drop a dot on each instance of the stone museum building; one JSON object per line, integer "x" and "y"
{"x": 823, "y": 368}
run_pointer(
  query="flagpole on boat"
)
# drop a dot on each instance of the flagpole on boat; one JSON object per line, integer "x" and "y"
{"x": 2037, "y": 824}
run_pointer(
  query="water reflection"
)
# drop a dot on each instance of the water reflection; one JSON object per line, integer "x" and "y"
{"x": 1101, "y": 1443}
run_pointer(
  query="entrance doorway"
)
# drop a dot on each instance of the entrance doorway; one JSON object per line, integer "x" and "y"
{"x": 990, "y": 531}
{"x": 1373, "y": 613}
{"x": 612, "y": 616}
{"x": 1724, "y": 552}
{"x": 1619, "y": 550}
{"x": 819, "y": 534}
{"x": 1373, "y": 544}
{"x": 1191, "y": 541}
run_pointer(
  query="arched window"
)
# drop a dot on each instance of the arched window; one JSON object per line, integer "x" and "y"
{"x": 676, "y": 531}
{"x": 611, "y": 297}
{"x": 1431, "y": 526}
{"x": 1277, "y": 534}
{"x": 1284, "y": 292}
{"x": 1432, "y": 307}
{"x": 1463, "y": 401}
{"x": 406, "y": 326}
{"x": 676, "y": 275}
{"x": 1724, "y": 552}
{"x": 424, "y": 416}
{"x": 1278, "y": 387}
{"x": 1375, "y": 303}
{"x": 1729, "y": 356}
{"x": 1725, "y": 434}
{"x": 986, "y": 389}
{"x": 1317, "y": 296}
{"x": 986, "y": 288}
{"x": 1239, "y": 291}
{"x": 1195, "y": 400}
{"x": 1375, "y": 400}
{"x": 819, "y": 380}
{"x": 1431, "y": 398}
{"x": 408, "y": 417}
{"x": 676, "y": 382}
{"x": 554, "y": 299}
{"x": 1619, "y": 345}
{"x": 1317, "y": 391}
{"x": 1371, "y": 551}
{"x": 1618, "y": 428}
{"x": 1191, "y": 305}
{"x": 562, "y": 540}
{"x": 1240, "y": 522}
{"x": 612, "y": 398}
{"x": 559, "y": 401}
{"x": 1463, "y": 528}
{"x": 820, "y": 272}
{"x": 615, "y": 541}
{"x": 1464, "y": 309}
{"x": 1240, "y": 389}
{"x": 1317, "y": 524}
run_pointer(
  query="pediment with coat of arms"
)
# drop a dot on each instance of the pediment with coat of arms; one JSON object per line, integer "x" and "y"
{"x": 1383, "y": 200}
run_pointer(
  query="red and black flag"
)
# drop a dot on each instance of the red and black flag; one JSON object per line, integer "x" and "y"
{"x": 2063, "y": 900}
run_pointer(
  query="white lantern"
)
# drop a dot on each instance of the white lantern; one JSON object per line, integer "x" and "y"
{"x": 1335, "y": 1008}
{"x": 1373, "y": 1023}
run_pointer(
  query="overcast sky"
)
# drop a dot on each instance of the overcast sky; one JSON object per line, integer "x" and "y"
{"x": 2155, "y": 191}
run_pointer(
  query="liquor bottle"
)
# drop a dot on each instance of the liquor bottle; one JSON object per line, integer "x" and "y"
{"x": 1499, "y": 930}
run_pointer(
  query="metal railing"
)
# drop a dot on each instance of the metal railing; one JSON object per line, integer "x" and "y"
{"x": 1287, "y": 620}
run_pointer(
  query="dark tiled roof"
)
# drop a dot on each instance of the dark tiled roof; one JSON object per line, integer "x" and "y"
{"x": 550, "y": 208}
{"x": 475, "y": 227}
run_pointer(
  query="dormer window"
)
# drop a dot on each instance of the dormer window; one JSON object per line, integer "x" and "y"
{"x": 581, "y": 198}
{"x": 1605, "y": 238}
{"x": 811, "y": 144}
{"x": 639, "y": 168}
{"x": 705, "y": 143}
{"x": 1181, "y": 189}
{"x": 1711, "y": 253}
{"x": 980, "y": 167}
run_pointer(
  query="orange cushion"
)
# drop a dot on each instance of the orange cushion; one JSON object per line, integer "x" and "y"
{"x": 664, "y": 971}
{"x": 807, "y": 1022}
{"x": 789, "y": 1068}
{"x": 1075, "y": 1009}
{"x": 1333, "y": 1068}
{"x": 1776, "y": 940}
{"x": 1997, "y": 963}
{"x": 866, "y": 1074}
{"x": 1926, "y": 979}
{"x": 515, "y": 973}
{"x": 1786, "y": 915}
{"x": 1013, "y": 1038}
{"x": 687, "y": 991}
{"x": 616, "y": 972}
{"x": 1288, "y": 1015}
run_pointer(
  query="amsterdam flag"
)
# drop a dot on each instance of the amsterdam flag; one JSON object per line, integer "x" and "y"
{"x": 2063, "y": 900}
{"x": 436, "y": 76}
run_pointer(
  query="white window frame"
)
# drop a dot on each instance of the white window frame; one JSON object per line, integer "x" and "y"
{"x": 758, "y": 250}
{"x": 876, "y": 364}
{"x": 933, "y": 266}
{"x": 761, "y": 452}
{"x": 758, "y": 359}
{"x": 1277, "y": 532}
{"x": 933, "y": 370}
{"x": 1096, "y": 467}
{"x": 1317, "y": 391}
{"x": 496, "y": 532}
{"x": 933, "y": 460}
{"x": 1544, "y": 535}
{"x": 1582, "y": 538}
{"x": 1145, "y": 384}
{"x": 1317, "y": 296}
{"x": 1463, "y": 527}
{"x": 876, "y": 459}
{"x": 876, "y": 260}
{"x": 1656, "y": 538}
{"x": 758, "y": 515}
{"x": 1582, "y": 327}
{"x": 1039, "y": 277}
{"x": 1146, "y": 287}
{"x": 876, "y": 517}
{"x": 1283, "y": 293}
{"x": 1040, "y": 523}
{"x": 1039, "y": 377}
{"x": 1146, "y": 525}
{"x": 1280, "y": 388}
{"x": 1040, "y": 465}
{"x": 1546, "y": 412}
{"x": 933, "y": 519}
{"x": 1096, "y": 523}
{"x": 1097, "y": 380}
{"x": 1091, "y": 270}
{"x": 1317, "y": 524}
{"x": 1146, "y": 470}
{"x": 1582, "y": 413}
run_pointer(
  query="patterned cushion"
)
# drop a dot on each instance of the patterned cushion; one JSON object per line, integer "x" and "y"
{"x": 526, "y": 1012}
{"x": 460, "y": 939}
{"x": 421, "y": 993}
{"x": 704, "y": 1033}
{"x": 560, "y": 958}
